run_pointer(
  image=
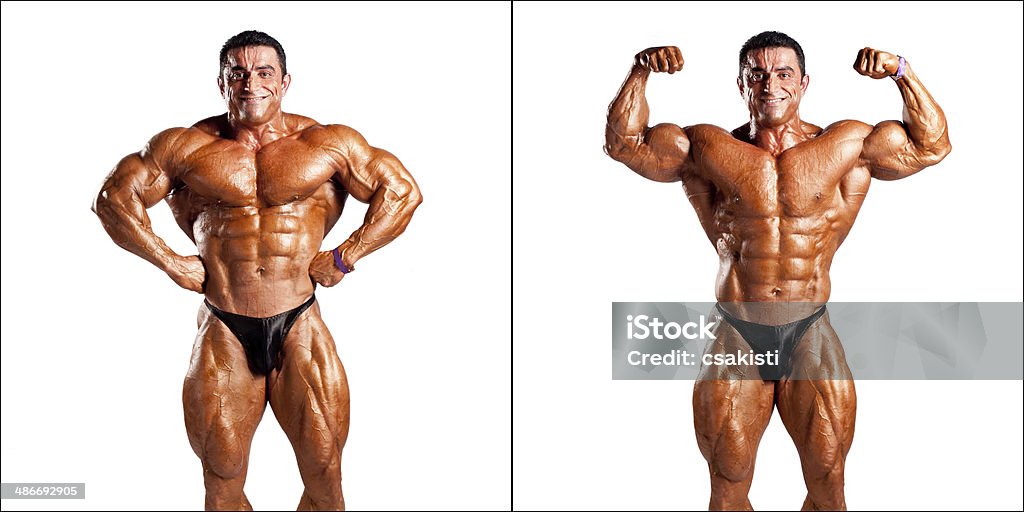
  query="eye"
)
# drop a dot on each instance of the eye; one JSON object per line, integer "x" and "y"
{"x": 265, "y": 74}
{"x": 757, "y": 77}
{"x": 237, "y": 75}
{"x": 785, "y": 75}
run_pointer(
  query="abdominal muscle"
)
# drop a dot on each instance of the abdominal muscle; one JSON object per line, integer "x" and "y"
{"x": 257, "y": 259}
{"x": 775, "y": 263}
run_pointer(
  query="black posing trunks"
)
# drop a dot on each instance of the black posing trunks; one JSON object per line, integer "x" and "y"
{"x": 768, "y": 338}
{"x": 261, "y": 337}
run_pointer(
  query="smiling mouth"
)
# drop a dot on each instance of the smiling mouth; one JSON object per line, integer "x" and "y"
{"x": 772, "y": 101}
{"x": 254, "y": 99}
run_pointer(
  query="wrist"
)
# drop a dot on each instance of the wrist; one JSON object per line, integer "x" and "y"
{"x": 339, "y": 260}
{"x": 901, "y": 70}
{"x": 640, "y": 63}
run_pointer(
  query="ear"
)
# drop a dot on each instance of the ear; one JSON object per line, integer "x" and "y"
{"x": 285, "y": 82}
{"x": 739, "y": 84}
{"x": 220, "y": 87}
{"x": 804, "y": 82}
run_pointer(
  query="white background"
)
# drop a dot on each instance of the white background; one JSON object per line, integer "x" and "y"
{"x": 96, "y": 341}
{"x": 589, "y": 232}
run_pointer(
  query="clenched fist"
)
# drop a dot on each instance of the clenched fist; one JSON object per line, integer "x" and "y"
{"x": 876, "y": 63}
{"x": 323, "y": 271}
{"x": 188, "y": 272}
{"x": 661, "y": 59}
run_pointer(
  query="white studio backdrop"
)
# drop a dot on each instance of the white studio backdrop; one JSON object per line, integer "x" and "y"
{"x": 96, "y": 341}
{"x": 589, "y": 232}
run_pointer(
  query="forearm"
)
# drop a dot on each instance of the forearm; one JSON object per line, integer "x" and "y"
{"x": 628, "y": 114}
{"x": 390, "y": 210}
{"x": 923, "y": 118}
{"x": 129, "y": 227}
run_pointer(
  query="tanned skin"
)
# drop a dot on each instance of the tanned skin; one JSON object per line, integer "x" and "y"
{"x": 257, "y": 190}
{"x": 776, "y": 197}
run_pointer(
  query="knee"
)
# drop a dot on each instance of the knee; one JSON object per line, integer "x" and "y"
{"x": 223, "y": 456}
{"x": 322, "y": 460}
{"x": 823, "y": 462}
{"x": 733, "y": 470}
{"x": 734, "y": 463}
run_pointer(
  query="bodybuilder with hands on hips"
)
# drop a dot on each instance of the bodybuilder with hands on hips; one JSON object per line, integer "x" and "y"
{"x": 776, "y": 197}
{"x": 257, "y": 190}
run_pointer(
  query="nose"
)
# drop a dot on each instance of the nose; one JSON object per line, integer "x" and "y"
{"x": 250, "y": 82}
{"x": 770, "y": 83}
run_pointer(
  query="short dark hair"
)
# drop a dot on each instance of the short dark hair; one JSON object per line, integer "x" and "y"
{"x": 771, "y": 39}
{"x": 252, "y": 38}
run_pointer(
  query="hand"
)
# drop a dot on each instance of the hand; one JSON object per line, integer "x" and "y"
{"x": 660, "y": 59}
{"x": 323, "y": 271}
{"x": 189, "y": 272}
{"x": 876, "y": 63}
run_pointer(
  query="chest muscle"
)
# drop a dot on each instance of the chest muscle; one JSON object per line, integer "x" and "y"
{"x": 282, "y": 172}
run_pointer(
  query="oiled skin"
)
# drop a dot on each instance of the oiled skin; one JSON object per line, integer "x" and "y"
{"x": 257, "y": 190}
{"x": 776, "y": 197}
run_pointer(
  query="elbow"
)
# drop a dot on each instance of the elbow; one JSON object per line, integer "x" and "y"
{"x": 936, "y": 153}
{"x": 100, "y": 204}
{"x": 939, "y": 147}
{"x": 610, "y": 150}
{"x": 408, "y": 193}
{"x": 944, "y": 151}
{"x": 110, "y": 207}
{"x": 104, "y": 209}
{"x": 616, "y": 145}
{"x": 415, "y": 199}
{"x": 618, "y": 151}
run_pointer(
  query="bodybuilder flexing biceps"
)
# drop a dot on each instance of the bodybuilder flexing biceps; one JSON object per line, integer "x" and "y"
{"x": 257, "y": 190}
{"x": 776, "y": 196}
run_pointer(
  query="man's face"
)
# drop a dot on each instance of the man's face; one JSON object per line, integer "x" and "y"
{"x": 772, "y": 85}
{"x": 252, "y": 84}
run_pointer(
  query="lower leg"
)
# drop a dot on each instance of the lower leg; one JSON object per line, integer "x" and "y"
{"x": 728, "y": 494}
{"x": 225, "y": 493}
{"x": 307, "y": 503}
{"x": 322, "y": 485}
{"x": 825, "y": 490}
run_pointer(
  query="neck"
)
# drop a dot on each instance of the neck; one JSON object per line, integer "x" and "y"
{"x": 256, "y": 136}
{"x": 776, "y": 139}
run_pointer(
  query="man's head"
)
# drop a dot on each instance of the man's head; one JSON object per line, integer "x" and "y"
{"x": 772, "y": 77}
{"x": 253, "y": 77}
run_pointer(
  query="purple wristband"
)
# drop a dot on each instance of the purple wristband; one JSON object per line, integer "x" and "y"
{"x": 899, "y": 70}
{"x": 338, "y": 263}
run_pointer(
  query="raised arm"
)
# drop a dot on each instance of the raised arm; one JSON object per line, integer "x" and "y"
{"x": 372, "y": 176}
{"x": 895, "y": 150}
{"x": 656, "y": 153}
{"x": 139, "y": 181}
